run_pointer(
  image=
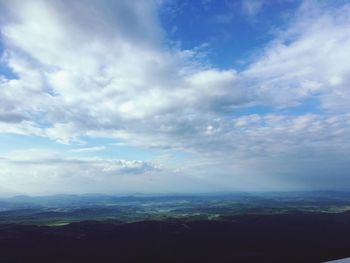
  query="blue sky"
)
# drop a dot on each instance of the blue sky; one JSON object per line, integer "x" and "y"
{"x": 232, "y": 30}
{"x": 168, "y": 96}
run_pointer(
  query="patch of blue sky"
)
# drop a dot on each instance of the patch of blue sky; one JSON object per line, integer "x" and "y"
{"x": 259, "y": 110}
{"x": 311, "y": 105}
{"x": 13, "y": 142}
{"x": 233, "y": 37}
{"x": 110, "y": 149}
{"x": 5, "y": 70}
{"x": 116, "y": 149}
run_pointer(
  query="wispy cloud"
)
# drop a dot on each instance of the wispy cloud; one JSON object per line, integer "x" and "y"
{"x": 88, "y": 149}
{"x": 41, "y": 171}
{"x": 252, "y": 7}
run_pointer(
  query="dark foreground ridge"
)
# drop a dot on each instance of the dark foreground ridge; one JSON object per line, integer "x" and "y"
{"x": 292, "y": 237}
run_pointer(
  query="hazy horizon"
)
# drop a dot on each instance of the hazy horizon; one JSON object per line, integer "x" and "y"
{"x": 174, "y": 194}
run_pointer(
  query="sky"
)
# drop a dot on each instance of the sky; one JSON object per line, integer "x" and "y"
{"x": 174, "y": 96}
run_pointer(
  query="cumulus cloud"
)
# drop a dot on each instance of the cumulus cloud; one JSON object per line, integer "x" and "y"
{"x": 83, "y": 80}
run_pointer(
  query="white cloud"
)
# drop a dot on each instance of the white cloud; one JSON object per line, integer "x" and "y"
{"x": 88, "y": 149}
{"x": 86, "y": 82}
{"x": 252, "y": 7}
{"x": 22, "y": 128}
{"x": 309, "y": 60}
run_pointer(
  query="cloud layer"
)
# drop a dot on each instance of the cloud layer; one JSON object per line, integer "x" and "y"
{"x": 103, "y": 69}
{"x": 43, "y": 172}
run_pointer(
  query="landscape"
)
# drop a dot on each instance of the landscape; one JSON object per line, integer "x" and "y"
{"x": 174, "y": 131}
{"x": 240, "y": 227}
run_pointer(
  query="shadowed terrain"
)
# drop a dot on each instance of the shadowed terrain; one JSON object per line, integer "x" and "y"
{"x": 294, "y": 227}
